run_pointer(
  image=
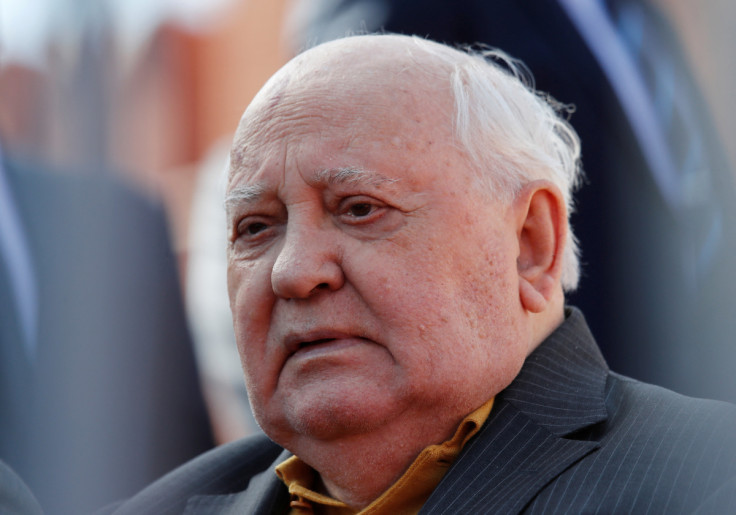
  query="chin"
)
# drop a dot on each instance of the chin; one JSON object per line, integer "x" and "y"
{"x": 331, "y": 417}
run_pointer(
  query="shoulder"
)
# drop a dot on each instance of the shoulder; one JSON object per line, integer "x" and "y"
{"x": 682, "y": 438}
{"x": 224, "y": 470}
{"x": 659, "y": 451}
{"x": 653, "y": 409}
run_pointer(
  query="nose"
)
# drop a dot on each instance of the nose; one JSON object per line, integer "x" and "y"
{"x": 308, "y": 262}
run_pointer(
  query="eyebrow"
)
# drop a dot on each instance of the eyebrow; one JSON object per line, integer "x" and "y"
{"x": 329, "y": 176}
{"x": 242, "y": 194}
{"x": 351, "y": 175}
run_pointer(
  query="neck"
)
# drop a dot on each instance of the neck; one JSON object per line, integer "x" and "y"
{"x": 357, "y": 469}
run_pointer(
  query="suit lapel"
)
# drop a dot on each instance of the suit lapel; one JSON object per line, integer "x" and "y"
{"x": 505, "y": 466}
{"x": 529, "y": 438}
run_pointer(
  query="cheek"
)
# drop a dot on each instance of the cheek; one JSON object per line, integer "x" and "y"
{"x": 454, "y": 279}
{"x": 250, "y": 292}
{"x": 487, "y": 291}
{"x": 473, "y": 308}
{"x": 251, "y": 303}
{"x": 413, "y": 295}
{"x": 493, "y": 312}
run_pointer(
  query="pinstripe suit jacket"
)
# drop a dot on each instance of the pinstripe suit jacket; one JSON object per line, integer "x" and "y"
{"x": 567, "y": 436}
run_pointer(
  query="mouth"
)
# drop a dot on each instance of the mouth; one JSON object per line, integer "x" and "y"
{"x": 313, "y": 343}
{"x": 316, "y": 339}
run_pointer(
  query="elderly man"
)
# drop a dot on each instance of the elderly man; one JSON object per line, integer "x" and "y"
{"x": 399, "y": 248}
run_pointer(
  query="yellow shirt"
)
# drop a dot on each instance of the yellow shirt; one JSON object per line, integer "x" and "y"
{"x": 406, "y": 496}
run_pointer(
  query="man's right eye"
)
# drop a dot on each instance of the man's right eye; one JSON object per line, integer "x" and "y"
{"x": 251, "y": 228}
{"x": 255, "y": 228}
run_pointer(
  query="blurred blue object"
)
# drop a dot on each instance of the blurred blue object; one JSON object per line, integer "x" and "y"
{"x": 110, "y": 399}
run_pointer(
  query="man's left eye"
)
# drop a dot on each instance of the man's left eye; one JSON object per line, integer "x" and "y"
{"x": 367, "y": 216}
{"x": 360, "y": 209}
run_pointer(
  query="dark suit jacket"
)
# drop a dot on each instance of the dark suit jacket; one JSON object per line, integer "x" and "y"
{"x": 567, "y": 436}
{"x": 110, "y": 400}
{"x": 644, "y": 303}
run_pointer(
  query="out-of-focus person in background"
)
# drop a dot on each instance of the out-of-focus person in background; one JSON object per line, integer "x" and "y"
{"x": 656, "y": 216}
{"x": 99, "y": 392}
{"x": 98, "y": 388}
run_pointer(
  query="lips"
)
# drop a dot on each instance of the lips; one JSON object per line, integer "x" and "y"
{"x": 301, "y": 341}
{"x": 321, "y": 346}
{"x": 315, "y": 342}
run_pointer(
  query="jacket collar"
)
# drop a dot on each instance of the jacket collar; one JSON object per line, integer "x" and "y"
{"x": 265, "y": 495}
{"x": 529, "y": 438}
{"x": 561, "y": 385}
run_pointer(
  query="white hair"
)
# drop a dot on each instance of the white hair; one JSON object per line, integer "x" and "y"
{"x": 512, "y": 134}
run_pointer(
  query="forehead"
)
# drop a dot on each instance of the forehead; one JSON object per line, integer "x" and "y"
{"x": 332, "y": 109}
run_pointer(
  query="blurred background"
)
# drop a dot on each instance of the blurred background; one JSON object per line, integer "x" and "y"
{"x": 145, "y": 95}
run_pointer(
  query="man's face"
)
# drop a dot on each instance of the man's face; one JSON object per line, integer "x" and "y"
{"x": 369, "y": 277}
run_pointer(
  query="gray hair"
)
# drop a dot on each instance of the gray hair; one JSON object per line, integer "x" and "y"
{"x": 513, "y": 134}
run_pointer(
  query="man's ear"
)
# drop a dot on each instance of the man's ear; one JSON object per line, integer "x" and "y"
{"x": 542, "y": 231}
